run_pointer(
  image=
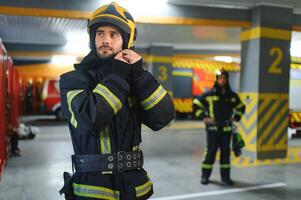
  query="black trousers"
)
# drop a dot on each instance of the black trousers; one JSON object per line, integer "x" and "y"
{"x": 217, "y": 140}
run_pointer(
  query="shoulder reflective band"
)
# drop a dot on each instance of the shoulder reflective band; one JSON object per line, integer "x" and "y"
{"x": 207, "y": 166}
{"x": 95, "y": 192}
{"x": 154, "y": 98}
{"x": 143, "y": 189}
{"x": 210, "y": 100}
{"x": 225, "y": 166}
{"x": 198, "y": 103}
{"x": 109, "y": 96}
{"x": 70, "y": 96}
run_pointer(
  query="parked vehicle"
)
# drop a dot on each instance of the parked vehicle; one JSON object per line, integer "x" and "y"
{"x": 51, "y": 100}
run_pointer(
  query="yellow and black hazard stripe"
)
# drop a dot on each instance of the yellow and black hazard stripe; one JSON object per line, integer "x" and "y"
{"x": 248, "y": 122}
{"x": 183, "y": 105}
{"x": 207, "y": 65}
{"x": 272, "y": 121}
{"x": 295, "y": 117}
{"x": 264, "y": 32}
{"x": 293, "y": 156}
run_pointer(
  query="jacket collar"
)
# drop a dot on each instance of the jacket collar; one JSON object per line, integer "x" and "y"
{"x": 92, "y": 61}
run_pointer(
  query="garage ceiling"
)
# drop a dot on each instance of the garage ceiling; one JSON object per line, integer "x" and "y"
{"x": 31, "y": 38}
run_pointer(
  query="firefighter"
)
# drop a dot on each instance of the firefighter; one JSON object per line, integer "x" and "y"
{"x": 105, "y": 100}
{"x": 218, "y": 108}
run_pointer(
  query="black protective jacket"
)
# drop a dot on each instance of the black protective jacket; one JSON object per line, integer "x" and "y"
{"x": 219, "y": 106}
{"x": 105, "y": 113}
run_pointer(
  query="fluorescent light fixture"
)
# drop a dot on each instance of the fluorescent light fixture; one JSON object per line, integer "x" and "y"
{"x": 63, "y": 59}
{"x": 296, "y": 48}
{"x": 139, "y": 7}
{"x": 227, "y": 59}
{"x": 77, "y": 43}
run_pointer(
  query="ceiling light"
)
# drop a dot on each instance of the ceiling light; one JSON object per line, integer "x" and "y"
{"x": 227, "y": 59}
{"x": 139, "y": 8}
{"x": 63, "y": 59}
{"x": 296, "y": 48}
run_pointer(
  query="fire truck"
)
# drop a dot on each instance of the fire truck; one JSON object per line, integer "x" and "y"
{"x": 51, "y": 100}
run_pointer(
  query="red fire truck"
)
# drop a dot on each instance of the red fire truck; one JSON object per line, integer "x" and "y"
{"x": 51, "y": 99}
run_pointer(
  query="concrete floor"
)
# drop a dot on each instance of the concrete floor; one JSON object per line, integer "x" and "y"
{"x": 172, "y": 159}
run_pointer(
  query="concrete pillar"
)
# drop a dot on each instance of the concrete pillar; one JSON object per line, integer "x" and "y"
{"x": 265, "y": 81}
{"x": 161, "y": 65}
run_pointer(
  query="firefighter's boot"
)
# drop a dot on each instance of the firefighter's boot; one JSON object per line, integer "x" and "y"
{"x": 225, "y": 176}
{"x": 205, "y": 176}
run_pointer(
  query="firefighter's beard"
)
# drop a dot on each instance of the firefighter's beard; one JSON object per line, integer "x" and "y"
{"x": 105, "y": 52}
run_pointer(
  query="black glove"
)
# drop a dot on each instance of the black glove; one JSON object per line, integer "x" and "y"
{"x": 136, "y": 70}
{"x": 120, "y": 68}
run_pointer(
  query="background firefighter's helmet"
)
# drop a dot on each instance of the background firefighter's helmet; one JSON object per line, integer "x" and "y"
{"x": 220, "y": 72}
{"x": 117, "y": 16}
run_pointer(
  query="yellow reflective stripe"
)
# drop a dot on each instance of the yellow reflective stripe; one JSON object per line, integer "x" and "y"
{"x": 70, "y": 95}
{"x": 114, "y": 102}
{"x": 239, "y": 106}
{"x": 198, "y": 112}
{"x": 238, "y": 113}
{"x": 154, "y": 98}
{"x": 207, "y": 166}
{"x": 95, "y": 192}
{"x": 143, "y": 189}
{"x": 212, "y": 128}
{"x": 197, "y": 102}
{"x": 227, "y": 166}
{"x": 210, "y": 100}
{"x": 105, "y": 144}
{"x": 227, "y": 128}
{"x": 135, "y": 148}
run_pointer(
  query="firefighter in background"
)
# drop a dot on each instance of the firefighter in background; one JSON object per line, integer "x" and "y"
{"x": 218, "y": 108}
{"x": 105, "y": 99}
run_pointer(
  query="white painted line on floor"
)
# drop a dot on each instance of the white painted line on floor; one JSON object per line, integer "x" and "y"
{"x": 219, "y": 192}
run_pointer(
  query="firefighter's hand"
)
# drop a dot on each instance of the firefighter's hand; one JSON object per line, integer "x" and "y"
{"x": 119, "y": 56}
{"x": 130, "y": 56}
{"x": 208, "y": 121}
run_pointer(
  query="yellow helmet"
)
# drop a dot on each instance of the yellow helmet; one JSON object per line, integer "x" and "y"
{"x": 117, "y": 16}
